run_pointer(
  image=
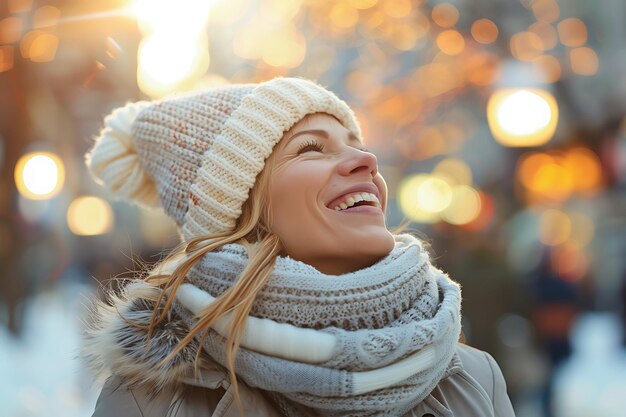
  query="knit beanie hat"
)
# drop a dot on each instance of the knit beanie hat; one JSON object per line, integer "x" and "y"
{"x": 197, "y": 155}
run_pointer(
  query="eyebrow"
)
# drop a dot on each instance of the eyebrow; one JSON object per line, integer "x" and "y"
{"x": 322, "y": 133}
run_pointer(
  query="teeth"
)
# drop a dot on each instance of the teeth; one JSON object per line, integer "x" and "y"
{"x": 355, "y": 198}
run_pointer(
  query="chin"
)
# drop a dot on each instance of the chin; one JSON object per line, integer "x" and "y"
{"x": 379, "y": 244}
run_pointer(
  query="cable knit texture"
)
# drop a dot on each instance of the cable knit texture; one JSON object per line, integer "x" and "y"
{"x": 198, "y": 154}
{"x": 379, "y": 315}
{"x": 409, "y": 308}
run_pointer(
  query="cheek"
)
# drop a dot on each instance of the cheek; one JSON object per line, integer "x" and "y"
{"x": 292, "y": 197}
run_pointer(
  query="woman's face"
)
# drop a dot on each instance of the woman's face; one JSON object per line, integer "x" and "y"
{"x": 327, "y": 199}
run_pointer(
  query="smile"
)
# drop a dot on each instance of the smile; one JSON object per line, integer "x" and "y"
{"x": 357, "y": 200}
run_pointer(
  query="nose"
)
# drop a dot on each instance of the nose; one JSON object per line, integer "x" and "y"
{"x": 355, "y": 161}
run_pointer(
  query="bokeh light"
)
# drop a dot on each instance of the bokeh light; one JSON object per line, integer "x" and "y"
{"x": 189, "y": 16}
{"x": 10, "y": 29}
{"x": 549, "y": 67}
{"x": 585, "y": 168}
{"x": 526, "y": 46}
{"x": 410, "y": 199}
{"x": 556, "y": 175}
{"x": 546, "y": 10}
{"x": 434, "y": 194}
{"x": 89, "y": 216}
{"x": 167, "y": 62}
{"x": 584, "y": 229}
{"x": 522, "y": 117}
{"x": 39, "y": 46}
{"x": 555, "y": 227}
{"x": 445, "y": 15}
{"x": 7, "y": 57}
{"x": 39, "y": 175}
{"x": 19, "y": 6}
{"x": 572, "y": 32}
{"x": 454, "y": 171}
{"x": 484, "y": 31}
{"x": 569, "y": 261}
{"x": 584, "y": 61}
{"x": 450, "y": 42}
{"x": 46, "y": 16}
{"x": 464, "y": 206}
{"x": 546, "y": 33}
{"x": 174, "y": 53}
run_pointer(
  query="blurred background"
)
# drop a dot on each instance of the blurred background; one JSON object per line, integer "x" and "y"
{"x": 499, "y": 126}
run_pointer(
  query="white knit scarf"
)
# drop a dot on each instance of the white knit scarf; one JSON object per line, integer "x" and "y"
{"x": 374, "y": 342}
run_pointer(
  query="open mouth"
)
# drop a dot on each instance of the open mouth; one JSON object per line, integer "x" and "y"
{"x": 354, "y": 201}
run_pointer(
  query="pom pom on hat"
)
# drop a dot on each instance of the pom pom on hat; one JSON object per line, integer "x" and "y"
{"x": 115, "y": 163}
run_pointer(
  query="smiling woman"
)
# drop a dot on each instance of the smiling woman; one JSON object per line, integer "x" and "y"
{"x": 318, "y": 167}
{"x": 288, "y": 295}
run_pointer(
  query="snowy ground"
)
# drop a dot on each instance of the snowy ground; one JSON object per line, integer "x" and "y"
{"x": 39, "y": 372}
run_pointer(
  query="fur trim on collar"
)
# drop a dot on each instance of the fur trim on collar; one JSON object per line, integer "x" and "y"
{"x": 116, "y": 340}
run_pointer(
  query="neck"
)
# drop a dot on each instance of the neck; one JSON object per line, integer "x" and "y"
{"x": 340, "y": 266}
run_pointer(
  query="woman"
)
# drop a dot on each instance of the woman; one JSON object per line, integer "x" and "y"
{"x": 289, "y": 296}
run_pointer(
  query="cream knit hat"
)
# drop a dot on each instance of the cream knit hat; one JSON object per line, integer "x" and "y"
{"x": 197, "y": 155}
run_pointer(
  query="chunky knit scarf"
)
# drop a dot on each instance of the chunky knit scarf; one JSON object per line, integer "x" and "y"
{"x": 392, "y": 329}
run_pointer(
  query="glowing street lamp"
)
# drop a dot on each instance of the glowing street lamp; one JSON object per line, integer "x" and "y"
{"x": 39, "y": 175}
{"x": 522, "y": 117}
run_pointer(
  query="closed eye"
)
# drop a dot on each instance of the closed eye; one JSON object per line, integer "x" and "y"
{"x": 310, "y": 146}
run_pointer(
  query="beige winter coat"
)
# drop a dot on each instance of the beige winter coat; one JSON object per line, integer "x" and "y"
{"x": 476, "y": 388}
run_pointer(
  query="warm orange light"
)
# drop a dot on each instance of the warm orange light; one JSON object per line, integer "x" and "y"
{"x": 522, "y": 117}
{"x": 569, "y": 261}
{"x": 546, "y": 32}
{"x": 484, "y": 31}
{"x": 19, "y": 6}
{"x": 572, "y": 32}
{"x": 546, "y": 10}
{"x": 10, "y": 29}
{"x": 464, "y": 207}
{"x": 450, "y": 42}
{"x": 45, "y": 17}
{"x": 166, "y": 63}
{"x": 454, "y": 171}
{"x": 555, "y": 227}
{"x": 526, "y": 46}
{"x": 410, "y": 199}
{"x": 404, "y": 36}
{"x": 283, "y": 47}
{"x": 585, "y": 169}
{"x": 484, "y": 216}
{"x": 398, "y": 8}
{"x": 362, "y": 84}
{"x": 584, "y": 61}
{"x": 6, "y": 57}
{"x": 38, "y": 46}
{"x": 89, "y": 216}
{"x": 344, "y": 16}
{"x": 39, "y": 175}
{"x": 445, "y": 15}
{"x": 549, "y": 66}
{"x": 529, "y": 165}
{"x": 483, "y": 68}
{"x": 553, "y": 181}
{"x": 363, "y": 4}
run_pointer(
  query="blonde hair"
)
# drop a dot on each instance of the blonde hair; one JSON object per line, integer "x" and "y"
{"x": 253, "y": 231}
